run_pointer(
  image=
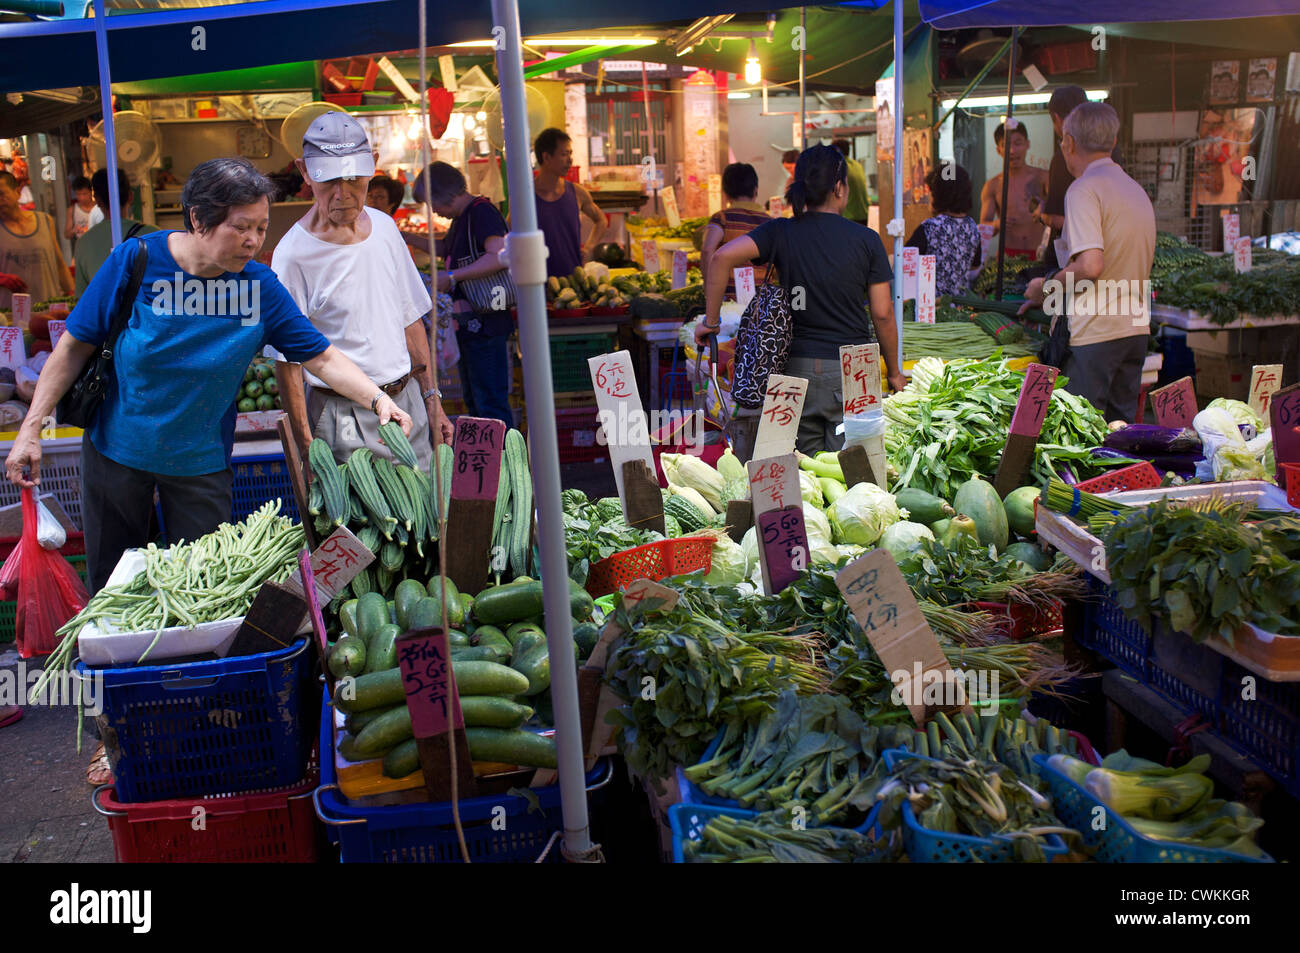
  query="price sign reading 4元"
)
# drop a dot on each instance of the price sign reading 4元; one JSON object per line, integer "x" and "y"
{"x": 1175, "y": 404}
{"x": 778, "y": 424}
{"x": 476, "y": 467}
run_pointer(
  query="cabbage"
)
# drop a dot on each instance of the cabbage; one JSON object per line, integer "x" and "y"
{"x": 730, "y": 566}
{"x": 903, "y": 539}
{"x": 1228, "y": 455}
{"x": 1240, "y": 412}
{"x": 862, "y": 515}
{"x": 817, "y": 525}
{"x": 810, "y": 489}
{"x": 749, "y": 543}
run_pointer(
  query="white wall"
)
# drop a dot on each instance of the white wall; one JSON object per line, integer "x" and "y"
{"x": 1041, "y": 144}
{"x": 760, "y": 140}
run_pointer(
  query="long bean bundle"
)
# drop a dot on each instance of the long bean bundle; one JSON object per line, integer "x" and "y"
{"x": 215, "y": 577}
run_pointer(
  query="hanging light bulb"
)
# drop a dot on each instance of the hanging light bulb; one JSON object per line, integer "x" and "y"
{"x": 413, "y": 130}
{"x": 481, "y": 116}
{"x": 470, "y": 124}
{"x": 753, "y": 68}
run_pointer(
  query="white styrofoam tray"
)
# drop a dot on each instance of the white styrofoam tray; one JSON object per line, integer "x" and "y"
{"x": 99, "y": 646}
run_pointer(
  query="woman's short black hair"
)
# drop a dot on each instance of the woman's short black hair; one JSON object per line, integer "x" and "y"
{"x": 818, "y": 171}
{"x": 217, "y": 186}
{"x": 396, "y": 190}
{"x": 740, "y": 181}
{"x": 79, "y": 183}
{"x": 950, "y": 189}
{"x": 438, "y": 183}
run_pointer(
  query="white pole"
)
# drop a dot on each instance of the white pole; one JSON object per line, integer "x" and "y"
{"x": 900, "y": 238}
{"x": 526, "y": 251}
{"x": 110, "y": 134}
{"x": 803, "y": 106}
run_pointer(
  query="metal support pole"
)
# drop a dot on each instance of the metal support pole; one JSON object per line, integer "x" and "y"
{"x": 1006, "y": 162}
{"x": 110, "y": 134}
{"x": 898, "y": 179}
{"x": 803, "y": 56}
{"x": 527, "y": 267}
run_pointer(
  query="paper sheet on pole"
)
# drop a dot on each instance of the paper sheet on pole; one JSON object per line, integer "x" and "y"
{"x": 669, "y": 195}
{"x": 911, "y": 262}
{"x": 715, "y": 193}
{"x": 1231, "y": 232}
{"x": 925, "y": 278}
{"x": 622, "y": 418}
{"x": 1265, "y": 379}
{"x": 778, "y": 426}
{"x": 885, "y": 609}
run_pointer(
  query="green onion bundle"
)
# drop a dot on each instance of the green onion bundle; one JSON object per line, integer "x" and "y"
{"x": 1072, "y": 501}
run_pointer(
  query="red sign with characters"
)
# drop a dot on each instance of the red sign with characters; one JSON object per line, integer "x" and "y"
{"x": 430, "y": 685}
{"x": 476, "y": 466}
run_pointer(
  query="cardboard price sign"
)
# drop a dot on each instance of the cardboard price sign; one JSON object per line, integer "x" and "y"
{"x": 778, "y": 425}
{"x": 670, "y": 206}
{"x": 1035, "y": 396}
{"x": 334, "y": 564}
{"x": 477, "y": 460}
{"x": 1241, "y": 254}
{"x": 57, "y": 327}
{"x": 745, "y": 290}
{"x": 715, "y": 194}
{"x": 1284, "y": 415}
{"x": 1175, "y": 404}
{"x": 650, "y": 252}
{"x": 884, "y": 607}
{"x": 925, "y": 276}
{"x": 622, "y": 418}
{"x": 1265, "y": 379}
{"x": 429, "y": 684}
{"x": 1231, "y": 232}
{"x": 20, "y": 308}
{"x": 778, "y": 515}
{"x": 860, "y": 378}
{"x": 13, "y": 353}
{"x": 679, "y": 269}
{"x": 911, "y": 262}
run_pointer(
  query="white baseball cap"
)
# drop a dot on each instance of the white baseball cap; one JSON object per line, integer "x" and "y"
{"x": 335, "y": 147}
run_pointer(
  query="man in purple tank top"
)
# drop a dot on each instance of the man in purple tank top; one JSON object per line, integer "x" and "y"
{"x": 559, "y": 203}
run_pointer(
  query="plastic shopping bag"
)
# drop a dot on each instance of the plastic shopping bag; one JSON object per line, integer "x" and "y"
{"x": 49, "y": 590}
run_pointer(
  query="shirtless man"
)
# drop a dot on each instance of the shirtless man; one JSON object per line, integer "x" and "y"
{"x": 1027, "y": 192}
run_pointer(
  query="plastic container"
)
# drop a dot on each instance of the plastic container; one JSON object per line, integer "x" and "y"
{"x": 1139, "y": 476}
{"x": 1025, "y": 622}
{"x": 569, "y": 354}
{"x": 577, "y": 431}
{"x": 426, "y": 833}
{"x": 579, "y": 312}
{"x": 610, "y": 312}
{"x": 60, "y": 475}
{"x": 654, "y": 561}
{"x": 258, "y": 480}
{"x": 201, "y": 729}
{"x": 1110, "y": 633}
{"x": 1118, "y": 842}
{"x": 925, "y": 846}
{"x": 1292, "y": 476}
{"x": 689, "y": 820}
{"x": 277, "y": 827}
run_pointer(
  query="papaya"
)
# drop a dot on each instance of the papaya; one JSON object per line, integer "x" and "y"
{"x": 977, "y": 499}
{"x": 1019, "y": 506}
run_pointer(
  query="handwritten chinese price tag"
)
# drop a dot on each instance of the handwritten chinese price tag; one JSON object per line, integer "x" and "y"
{"x": 1175, "y": 404}
{"x": 1284, "y": 415}
{"x": 477, "y": 461}
{"x": 13, "y": 354}
{"x": 334, "y": 564}
{"x": 778, "y": 424}
{"x": 650, "y": 252}
{"x": 774, "y": 483}
{"x": 670, "y": 207}
{"x": 783, "y": 544}
{"x": 776, "y": 206}
{"x": 887, "y": 612}
{"x": 622, "y": 418}
{"x": 715, "y": 194}
{"x": 57, "y": 327}
{"x": 679, "y": 269}
{"x": 1265, "y": 379}
{"x": 1231, "y": 232}
{"x": 21, "y": 310}
{"x": 1241, "y": 254}
{"x": 745, "y": 290}
{"x": 1035, "y": 396}
{"x": 860, "y": 378}
{"x": 925, "y": 275}
{"x": 430, "y": 685}
{"x": 911, "y": 262}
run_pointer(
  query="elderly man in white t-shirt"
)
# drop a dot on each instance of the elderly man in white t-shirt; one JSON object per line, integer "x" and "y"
{"x": 347, "y": 268}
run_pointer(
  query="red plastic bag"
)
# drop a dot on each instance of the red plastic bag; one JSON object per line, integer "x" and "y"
{"x": 49, "y": 590}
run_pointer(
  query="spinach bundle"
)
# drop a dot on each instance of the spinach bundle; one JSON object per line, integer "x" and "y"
{"x": 1204, "y": 570}
{"x": 771, "y": 839}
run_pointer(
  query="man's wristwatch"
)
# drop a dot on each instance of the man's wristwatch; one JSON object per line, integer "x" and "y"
{"x": 432, "y": 392}
{"x": 374, "y": 401}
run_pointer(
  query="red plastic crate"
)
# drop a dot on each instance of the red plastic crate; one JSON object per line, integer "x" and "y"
{"x": 654, "y": 561}
{"x": 579, "y": 435}
{"x": 1140, "y": 476}
{"x": 1292, "y": 471}
{"x": 278, "y": 827}
{"x": 1025, "y": 622}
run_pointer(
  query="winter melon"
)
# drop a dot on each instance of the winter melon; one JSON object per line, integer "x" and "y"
{"x": 922, "y": 507}
{"x": 1029, "y": 554}
{"x": 1019, "y": 506}
{"x": 977, "y": 499}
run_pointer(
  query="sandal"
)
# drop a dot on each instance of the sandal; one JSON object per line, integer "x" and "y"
{"x": 100, "y": 770}
{"x": 9, "y": 715}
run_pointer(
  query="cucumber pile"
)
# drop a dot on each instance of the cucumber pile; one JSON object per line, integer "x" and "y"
{"x": 499, "y": 658}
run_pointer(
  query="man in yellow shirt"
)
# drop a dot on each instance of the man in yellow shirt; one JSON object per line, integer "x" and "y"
{"x": 1104, "y": 290}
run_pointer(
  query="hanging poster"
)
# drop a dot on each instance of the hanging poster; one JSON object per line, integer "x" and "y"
{"x": 1225, "y": 138}
{"x": 1261, "y": 80}
{"x": 1225, "y": 81}
{"x": 919, "y": 161}
{"x": 885, "y": 120}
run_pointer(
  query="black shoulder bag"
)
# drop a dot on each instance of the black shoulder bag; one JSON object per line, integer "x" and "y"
{"x": 78, "y": 406}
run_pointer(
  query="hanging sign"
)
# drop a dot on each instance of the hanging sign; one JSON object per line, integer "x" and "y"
{"x": 1175, "y": 404}
{"x": 650, "y": 254}
{"x": 669, "y": 195}
{"x": 1265, "y": 379}
{"x": 925, "y": 276}
{"x": 911, "y": 261}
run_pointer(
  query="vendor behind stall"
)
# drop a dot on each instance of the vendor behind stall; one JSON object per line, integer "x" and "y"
{"x": 346, "y": 267}
{"x": 167, "y": 421}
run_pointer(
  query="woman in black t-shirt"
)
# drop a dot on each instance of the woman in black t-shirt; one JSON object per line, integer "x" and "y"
{"x": 838, "y": 278}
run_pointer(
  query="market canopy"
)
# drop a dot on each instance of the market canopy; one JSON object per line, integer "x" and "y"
{"x": 955, "y": 14}
{"x": 167, "y": 42}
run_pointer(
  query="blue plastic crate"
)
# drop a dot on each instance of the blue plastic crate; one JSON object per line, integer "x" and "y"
{"x": 689, "y": 820}
{"x": 201, "y": 729}
{"x": 924, "y": 846}
{"x": 258, "y": 480}
{"x": 426, "y": 833}
{"x": 1118, "y": 842}
{"x": 1110, "y": 633}
{"x": 1266, "y": 727}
